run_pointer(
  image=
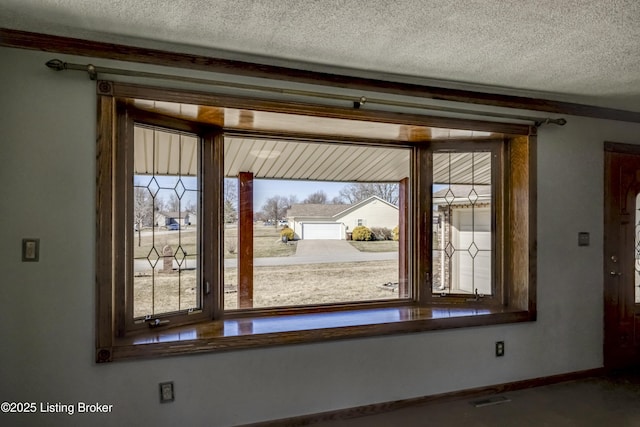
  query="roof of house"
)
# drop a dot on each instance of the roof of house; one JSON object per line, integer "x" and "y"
{"x": 313, "y": 210}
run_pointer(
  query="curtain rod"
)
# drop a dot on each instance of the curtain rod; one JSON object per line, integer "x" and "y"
{"x": 93, "y": 71}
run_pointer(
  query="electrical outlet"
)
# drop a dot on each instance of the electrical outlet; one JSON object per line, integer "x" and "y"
{"x": 166, "y": 392}
{"x": 499, "y": 348}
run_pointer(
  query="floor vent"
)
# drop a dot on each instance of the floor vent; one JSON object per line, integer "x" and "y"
{"x": 495, "y": 400}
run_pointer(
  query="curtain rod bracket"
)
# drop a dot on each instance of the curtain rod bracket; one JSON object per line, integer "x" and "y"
{"x": 56, "y": 64}
{"x": 550, "y": 121}
{"x": 360, "y": 103}
{"x": 93, "y": 73}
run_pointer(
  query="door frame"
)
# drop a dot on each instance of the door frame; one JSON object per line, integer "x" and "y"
{"x": 619, "y": 345}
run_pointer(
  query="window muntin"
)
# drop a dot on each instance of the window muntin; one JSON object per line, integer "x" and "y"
{"x": 166, "y": 244}
{"x": 463, "y": 258}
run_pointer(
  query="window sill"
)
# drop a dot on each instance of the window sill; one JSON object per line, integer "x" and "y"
{"x": 256, "y": 332}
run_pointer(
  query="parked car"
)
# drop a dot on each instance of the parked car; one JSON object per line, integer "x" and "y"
{"x": 173, "y": 226}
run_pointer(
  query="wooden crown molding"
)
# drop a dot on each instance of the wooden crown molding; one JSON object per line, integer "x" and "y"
{"x": 79, "y": 47}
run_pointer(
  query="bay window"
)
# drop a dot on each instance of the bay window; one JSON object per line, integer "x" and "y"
{"x": 229, "y": 223}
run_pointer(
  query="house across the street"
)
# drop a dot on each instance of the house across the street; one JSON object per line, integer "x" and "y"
{"x": 183, "y": 218}
{"x": 326, "y": 221}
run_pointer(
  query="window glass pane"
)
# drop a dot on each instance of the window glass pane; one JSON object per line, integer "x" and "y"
{"x": 325, "y": 222}
{"x": 462, "y": 218}
{"x": 166, "y": 243}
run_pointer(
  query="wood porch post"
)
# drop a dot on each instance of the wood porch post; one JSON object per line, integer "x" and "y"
{"x": 245, "y": 240}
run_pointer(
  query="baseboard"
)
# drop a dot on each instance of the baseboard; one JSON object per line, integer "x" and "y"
{"x": 378, "y": 408}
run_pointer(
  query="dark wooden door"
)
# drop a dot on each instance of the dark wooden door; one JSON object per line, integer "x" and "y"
{"x": 622, "y": 256}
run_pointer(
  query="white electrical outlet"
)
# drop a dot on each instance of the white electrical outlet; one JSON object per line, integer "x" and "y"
{"x": 166, "y": 392}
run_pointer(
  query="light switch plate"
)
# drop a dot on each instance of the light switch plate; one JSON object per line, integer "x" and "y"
{"x": 166, "y": 392}
{"x": 30, "y": 250}
{"x": 583, "y": 238}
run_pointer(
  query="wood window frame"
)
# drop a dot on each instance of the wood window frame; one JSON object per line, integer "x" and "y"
{"x": 210, "y": 147}
{"x": 499, "y": 224}
{"x": 217, "y": 331}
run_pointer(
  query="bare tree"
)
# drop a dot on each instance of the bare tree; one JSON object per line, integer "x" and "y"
{"x": 357, "y": 192}
{"x": 387, "y": 191}
{"x": 291, "y": 200}
{"x": 142, "y": 210}
{"x": 275, "y": 208}
{"x": 192, "y": 206}
{"x": 319, "y": 198}
{"x": 352, "y": 193}
{"x": 230, "y": 200}
{"x": 173, "y": 204}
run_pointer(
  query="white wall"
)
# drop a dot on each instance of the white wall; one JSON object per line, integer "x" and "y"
{"x": 47, "y": 179}
{"x": 374, "y": 214}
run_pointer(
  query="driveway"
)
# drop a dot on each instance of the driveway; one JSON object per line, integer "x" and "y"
{"x": 307, "y": 252}
{"x": 320, "y": 252}
{"x": 324, "y": 248}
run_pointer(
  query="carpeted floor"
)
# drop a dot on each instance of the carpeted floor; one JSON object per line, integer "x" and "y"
{"x": 609, "y": 401}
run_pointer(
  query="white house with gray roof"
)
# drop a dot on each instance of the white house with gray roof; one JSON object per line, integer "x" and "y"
{"x": 321, "y": 221}
{"x": 183, "y": 218}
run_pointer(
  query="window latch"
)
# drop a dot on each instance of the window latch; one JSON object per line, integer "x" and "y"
{"x": 478, "y": 296}
{"x": 153, "y": 323}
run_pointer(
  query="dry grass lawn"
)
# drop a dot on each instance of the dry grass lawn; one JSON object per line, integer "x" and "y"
{"x": 285, "y": 285}
{"x": 164, "y": 292}
{"x": 273, "y": 286}
{"x": 375, "y": 246}
{"x": 317, "y": 283}
{"x": 266, "y": 242}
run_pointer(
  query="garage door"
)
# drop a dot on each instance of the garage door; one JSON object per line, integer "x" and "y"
{"x": 321, "y": 231}
{"x": 472, "y": 240}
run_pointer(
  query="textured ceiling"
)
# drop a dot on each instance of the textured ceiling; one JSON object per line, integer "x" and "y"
{"x": 577, "y": 50}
